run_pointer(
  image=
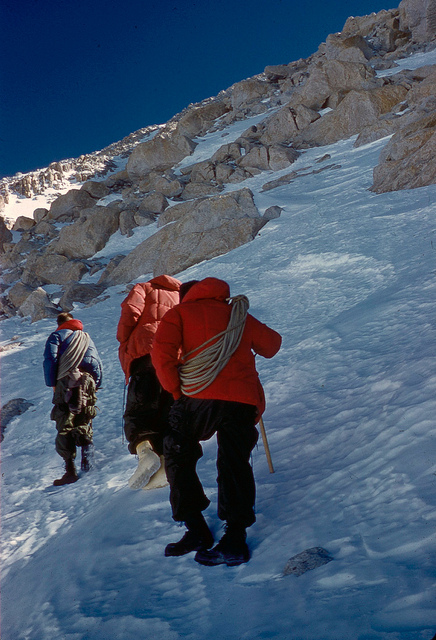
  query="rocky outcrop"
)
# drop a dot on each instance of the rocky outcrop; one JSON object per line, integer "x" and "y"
{"x": 203, "y": 229}
{"x": 197, "y": 120}
{"x": 84, "y": 293}
{"x": 5, "y": 234}
{"x": 11, "y": 410}
{"x": 161, "y": 153}
{"x": 358, "y": 110}
{"x": 331, "y": 79}
{"x": 348, "y": 48}
{"x": 407, "y": 161}
{"x": 52, "y": 268}
{"x": 88, "y": 234}
{"x": 38, "y": 306}
{"x": 23, "y": 223}
{"x": 67, "y": 207}
{"x": 332, "y": 95}
{"x": 419, "y": 17}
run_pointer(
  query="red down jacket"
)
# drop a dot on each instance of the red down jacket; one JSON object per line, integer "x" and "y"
{"x": 203, "y": 314}
{"x": 141, "y": 313}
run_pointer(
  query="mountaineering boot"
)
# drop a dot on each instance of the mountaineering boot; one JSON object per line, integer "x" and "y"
{"x": 148, "y": 464}
{"x": 198, "y": 536}
{"x": 69, "y": 476}
{"x": 159, "y": 479}
{"x": 231, "y": 550}
{"x": 87, "y": 457}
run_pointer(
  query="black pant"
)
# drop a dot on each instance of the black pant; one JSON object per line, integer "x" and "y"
{"x": 192, "y": 420}
{"x": 147, "y": 406}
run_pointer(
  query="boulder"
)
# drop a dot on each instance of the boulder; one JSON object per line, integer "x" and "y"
{"x": 11, "y": 410}
{"x": 328, "y": 77}
{"x": 175, "y": 212}
{"x": 82, "y": 293}
{"x": 118, "y": 180}
{"x": 45, "y": 229}
{"x": 422, "y": 90}
{"x": 38, "y": 306}
{"x": 39, "y": 214}
{"x": 5, "y": 234}
{"x": 154, "y": 203}
{"x": 348, "y": 48}
{"x": 407, "y": 161}
{"x": 67, "y": 207}
{"x": 227, "y": 173}
{"x": 278, "y": 72}
{"x": 143, "y": 218}
{"x": 165, "y": 183}
{"x": 281, "y": 156}
{"x": 307, "y": 561}
{"x": 359, "y": 109}
{"x": 203, "y": 171}
{"x": 52, "y": 268}
{"x": 382, "y": 29}
{"x": 211, "y": 227}
{"x": 248, "y": 91}
{"x": 379, "y": 129}
{"x": 284, "y": 125}
{"x": 199, "y": 118}
{"x": 256, "y": 158}
{"x": 127, "y": 222}
{"x": 18, "y": 294}
{"x": 23, "y": 223}
{"x": 230, "y": 152}
{"x": 272, "y": 213}
{"x": 6, "y": 309}
{"x": 113, "y": 263}
{"x": 11, "y": 275}
{"x": 95, "y": 189}
{"x": 158, "y": 154}
{"x": 199, "y": 190}
{"x": 419, "y": 17}
{"x": 365, "y": 25}
{"x": 89, "y": 234}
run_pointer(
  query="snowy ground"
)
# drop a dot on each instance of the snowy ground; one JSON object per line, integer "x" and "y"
{"x": 348, "y": 278}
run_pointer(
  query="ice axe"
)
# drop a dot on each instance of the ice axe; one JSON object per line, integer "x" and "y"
{"x": 265, "y": 445}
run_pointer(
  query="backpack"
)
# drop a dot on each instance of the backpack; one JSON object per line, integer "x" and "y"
{"x": 80, "y": 395}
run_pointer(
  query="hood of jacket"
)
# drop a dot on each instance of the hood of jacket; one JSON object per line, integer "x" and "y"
{"x": 165, "y": 282}
{"x": 208, "y": 288}
{"x": 73, "y": 325}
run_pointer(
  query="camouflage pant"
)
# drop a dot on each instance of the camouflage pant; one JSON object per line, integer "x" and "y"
{"x": 74, "y": 430}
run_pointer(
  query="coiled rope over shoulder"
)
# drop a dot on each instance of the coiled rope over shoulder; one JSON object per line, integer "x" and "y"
{"x": 199, "y": 371}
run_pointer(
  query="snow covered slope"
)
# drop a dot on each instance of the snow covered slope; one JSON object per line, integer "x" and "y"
{"x": 348, "y": 278}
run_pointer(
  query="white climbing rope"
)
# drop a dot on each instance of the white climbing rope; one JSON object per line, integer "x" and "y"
{"x": 200, "y": 370}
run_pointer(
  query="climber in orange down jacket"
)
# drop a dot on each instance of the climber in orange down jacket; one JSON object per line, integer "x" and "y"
{"x": 147, "y": 405}
{"x": 230, "y": 406}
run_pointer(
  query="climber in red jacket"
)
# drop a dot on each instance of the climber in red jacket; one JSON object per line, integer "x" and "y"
{"x": 204, "y": 354}
{"x": 147, "y": 405}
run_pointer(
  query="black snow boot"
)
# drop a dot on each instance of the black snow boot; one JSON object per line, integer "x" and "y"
{"x": 69, "y": 476}
{"x": 231, "y": 550}
{"x": 198, "y": 536}
{"x": 87, "y": 457}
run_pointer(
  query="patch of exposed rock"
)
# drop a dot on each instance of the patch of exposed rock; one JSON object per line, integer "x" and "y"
{"x": 11, "y": 410}
{"x": 332, "y": 95}
{"x": 202, "y": 229}
{"x": 408, "y": 160}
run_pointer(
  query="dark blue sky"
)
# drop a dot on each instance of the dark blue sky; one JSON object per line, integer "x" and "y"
{"x": 77, "y": 76}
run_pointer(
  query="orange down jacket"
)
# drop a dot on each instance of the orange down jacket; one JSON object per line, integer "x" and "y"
{"x": 141, "y": 313}
{"x": 203, "y": 314}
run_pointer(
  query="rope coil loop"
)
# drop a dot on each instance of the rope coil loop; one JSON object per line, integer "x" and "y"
{"x": 200, "y": 370}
